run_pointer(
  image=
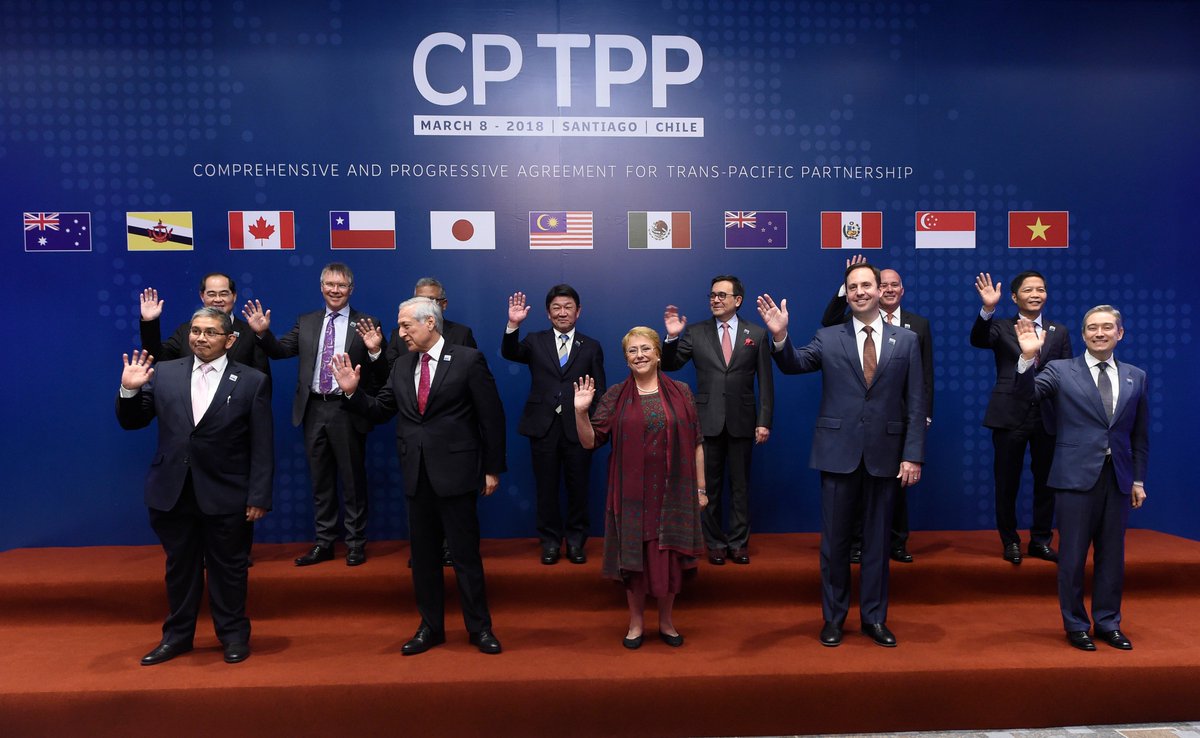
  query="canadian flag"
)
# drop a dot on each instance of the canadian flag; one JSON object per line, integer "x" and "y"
{"x": 265, "y": 230}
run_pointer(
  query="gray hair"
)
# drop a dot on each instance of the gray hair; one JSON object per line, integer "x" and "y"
{"x": 431, "y": 282}
{"x": 422, "y": 308}
{"x": 220, "y": 315}
{"x": 1103, "y": 309}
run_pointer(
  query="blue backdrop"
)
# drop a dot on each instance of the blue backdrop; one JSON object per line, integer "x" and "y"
{"x": 108, "y": 108}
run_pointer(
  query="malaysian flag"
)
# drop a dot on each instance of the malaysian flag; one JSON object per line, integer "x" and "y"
{"x": 560, "y": 229}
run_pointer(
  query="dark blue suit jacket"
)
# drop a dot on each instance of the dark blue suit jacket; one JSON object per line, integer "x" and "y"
{"x": 230, "y": 452}
{"x": 551, "y": 385}
{"x": 1083, "y": 430}
{"x": 881, "y": 425}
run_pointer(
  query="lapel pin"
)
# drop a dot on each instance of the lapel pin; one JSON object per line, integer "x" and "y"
{"x": 232, "y": 377}
{"x": 1051, "y": 329}
{"x": 446, "y": 357}
{"x": 908, "y": 326}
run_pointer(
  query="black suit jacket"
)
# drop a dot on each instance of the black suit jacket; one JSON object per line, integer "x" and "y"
{"x": 836, "y": 314}
{"x": 230, "y": 452}
{"x": 304, "y": 341}
{"x": 1008, "y": 410}
{"x": 459, "y": 438}
{"x": 725, "y": 394}
{"x": 245, "y": 349}
{"x": 550, "y": 385}
{"x": 455, "y": 333}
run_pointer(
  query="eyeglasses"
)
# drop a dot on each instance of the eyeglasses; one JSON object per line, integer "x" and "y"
{"x": 635, "y": 350}
{"x": 335, "y": 285}
{"x": 719, "y": 296}
{"x": 206, "y": 332}
{"x": 223, "y": 294}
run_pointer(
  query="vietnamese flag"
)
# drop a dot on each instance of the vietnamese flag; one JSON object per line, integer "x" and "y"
{"x": 1033, "y": 229}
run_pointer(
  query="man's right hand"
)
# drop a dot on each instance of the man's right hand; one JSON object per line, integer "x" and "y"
{"x": 259, "y": 319}
{"x": 517, "y": 310}
{"x": 345, "y": 373}
{"x": 775, "y": 317}
{"x": 673, "y": 321}
{"x": 988, "y": 293}
{"x": 1031, "y": 342}
{"x": 151, "y": 306}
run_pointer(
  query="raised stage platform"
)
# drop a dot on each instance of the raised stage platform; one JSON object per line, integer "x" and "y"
{"x": 981, "y": 646}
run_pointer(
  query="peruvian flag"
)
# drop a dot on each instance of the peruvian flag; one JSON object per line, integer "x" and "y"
{"x": 945, "y": 229}
{"x": 265, "y": 230}
{"x": 851, "y": 229}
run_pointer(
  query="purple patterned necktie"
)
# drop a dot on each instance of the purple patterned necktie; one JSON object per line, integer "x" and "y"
{"x": 325, "y": 384}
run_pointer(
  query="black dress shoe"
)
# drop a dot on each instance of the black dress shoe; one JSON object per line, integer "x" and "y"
{"x": 633, "y": 643}
{"x": 550, "y": 555}
{"x": 485, "y": 641}
{"x": 576, "y": 555}
{"x": 902, "y": 555}
{"x": 423, "y": 640}
{"x": 447, "y": 559}
{"x": 879, "y": 633}
{"x": 831, "y": 634}
{"x": 236, "y": 652}
{"x": 356, "y": 555}
{"x": 1081, "y": 640}
{"x": 316, "y": 555}
{"x": 1116, "y": 639}
{"x": 739, "y": 556}
{"x": 1012, "y": 552}
{"x": 164, "y": 652}
{"x": 674, "y": 641}
{"x": 1042, "y": 551}
{"x": 856, "y": 554}
{"x": 716, "y": 557}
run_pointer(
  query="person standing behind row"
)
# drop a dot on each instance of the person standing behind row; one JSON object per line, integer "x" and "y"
{"x": 728, "y": 352}
{"x": 891, "y": 291}
{"x": 1016, "y": 420}
{"x": 334, "y": 440}
{"x": 556, "y": 359}
{"x": 869, "y": 439}
{"x": 217, "y": 291}
{"x": 655, "y": 481}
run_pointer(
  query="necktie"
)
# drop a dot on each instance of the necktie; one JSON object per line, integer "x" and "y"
{"x": 870, "y": 361}
{"x": 1105, "y": 386}
{"x": 1037, "y": 358}
{"x": 726, "y": 343}
{"x": 563, "y": 353}
{"x": 325, "y": 383}
{"x": 423, "y": 385}
{"x": 889, "y": 318}
{"x": 200, "y": 398}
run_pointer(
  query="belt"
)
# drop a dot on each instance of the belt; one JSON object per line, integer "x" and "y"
{"x": 331, "y": 397}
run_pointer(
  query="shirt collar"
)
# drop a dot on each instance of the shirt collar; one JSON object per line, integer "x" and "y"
{"x": 218, "y": 363}
{"x": 569, "y": 334}
{"x": 876, "y": 325}
{"x": 435, "y": 351}
{"x": 1093, "y": 362}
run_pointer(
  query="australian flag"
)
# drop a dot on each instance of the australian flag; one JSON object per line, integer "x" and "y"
{"x": 58, "y": 231}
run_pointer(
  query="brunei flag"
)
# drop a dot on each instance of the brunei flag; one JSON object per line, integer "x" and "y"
{"x": 159, "y": 231}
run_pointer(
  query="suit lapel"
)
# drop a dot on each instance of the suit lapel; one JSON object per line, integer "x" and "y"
{"x": 224, "y": 390}
{"x": 886, "y": 349}
{"x": 406, "y": 393}
{"x": 850, "y": 346}
{"x": 1125, "y": 393}
{"x": 444, "y": 367}
{"x": 1087, "y": 385}
{"x": 711, "y": 330}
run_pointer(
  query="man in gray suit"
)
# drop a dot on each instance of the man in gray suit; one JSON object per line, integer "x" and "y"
{"x": 728, "y": 353}
{"x": 869, "y": 439}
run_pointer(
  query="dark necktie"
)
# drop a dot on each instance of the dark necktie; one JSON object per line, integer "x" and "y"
{"x": 870, "y": 361}
{"x": 423, "y": 385}
{"x": 1104, "y": 384}
{"x": 325, "y": 383}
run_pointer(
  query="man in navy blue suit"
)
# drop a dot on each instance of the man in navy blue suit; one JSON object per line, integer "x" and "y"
{"x": 869, "y": 440}
{"x": 1099, "y": 466}
{"x": 210, "y": 478}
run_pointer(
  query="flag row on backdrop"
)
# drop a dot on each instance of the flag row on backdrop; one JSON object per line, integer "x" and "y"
{"x": 275, "y": 230}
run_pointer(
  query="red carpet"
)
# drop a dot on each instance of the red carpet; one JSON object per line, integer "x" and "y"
{"x": 981, "y": 646}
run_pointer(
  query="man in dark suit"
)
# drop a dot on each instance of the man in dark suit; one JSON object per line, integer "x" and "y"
{"x": 210, "y": 479}
{"x": 556, "y": 359}
{"x": 728, "y": 353}
{"x": 455, "y": 333}
{"x": 1102, "y": 426}
{"x": 869, "y": 438}
{"x": 335, "y": 440}
{"x": 450, "y": 437}
{"x": 218, "y": 291}
{"x": 891, "y": 291}
{"x": 1016, "y": 421}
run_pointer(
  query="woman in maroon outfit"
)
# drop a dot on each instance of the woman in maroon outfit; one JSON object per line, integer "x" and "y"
{"x": 655, "y": 481}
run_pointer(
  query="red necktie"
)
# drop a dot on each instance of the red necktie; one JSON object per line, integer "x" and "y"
{"x": 726, "y": 343}
{"x": 423, "y": 385}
